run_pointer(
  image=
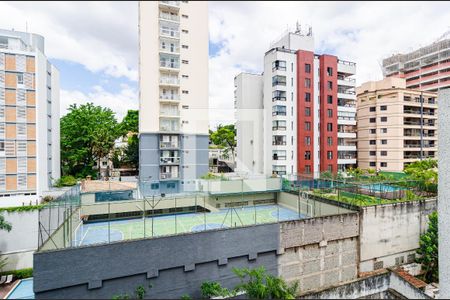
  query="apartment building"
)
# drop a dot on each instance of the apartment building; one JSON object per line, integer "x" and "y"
{"x": 173, "y": 104}
{"x": 427, "y": 68}
{"x": 396, "y": 125}
{"x": 29, "y": 119}
{"x": 308, "y": 110}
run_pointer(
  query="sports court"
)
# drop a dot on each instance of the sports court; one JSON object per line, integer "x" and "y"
{"x": 117, "y": 230}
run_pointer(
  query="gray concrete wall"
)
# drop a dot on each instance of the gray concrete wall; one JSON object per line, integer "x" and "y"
{"x": 319, "y": 252}
{"x": 96, "y": 270}
{"x": 148, "y": 161}
{"x": 392, "y": 231}
{"x": 19, "y": 244}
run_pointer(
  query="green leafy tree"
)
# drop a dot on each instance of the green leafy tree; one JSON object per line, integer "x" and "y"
{"x": 428, "y": 250}
{"x": 225, "y": 136}
{"x": 130, "y": 122}
{"x": 425, "y": 172}
{"x": 4, "y": 225}
{"x": 88, "y": 133}
{"x": 131, "y": 153}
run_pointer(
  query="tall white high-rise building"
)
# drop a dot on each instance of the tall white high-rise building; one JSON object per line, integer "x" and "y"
{"x": 173, "y": 104}
{"x": 29, "y": 119}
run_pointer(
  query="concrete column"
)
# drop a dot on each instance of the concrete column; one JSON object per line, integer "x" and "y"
{"x": 444, "y": 192}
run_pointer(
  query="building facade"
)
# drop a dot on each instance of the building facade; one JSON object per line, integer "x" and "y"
{"x": 29, "y": 119}
{"x": 173, "y": 104}
{"x": 308, "y": 109}
{"x": 396, "y": 125}
{"x": 426, "y": 69}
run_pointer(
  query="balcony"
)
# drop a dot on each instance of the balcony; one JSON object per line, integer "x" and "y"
{"x": 344, "y": 81}
{"x": 279, "y": 143}
{"x": 169, "y": 97}
{"x": 275, "y": 128}
{"x": 346, "y": 161}
{"x": 348, "y": 135}
{"x": 169, "y": 48}
{"x": 346, "y": 120}
{"x": 417, "y": 145}
{"x": 168, "y": 145}
{"x": 168, "y": 176}
{"x": 169, "y": 160}
{"x": 346, "y": 67}
{"x": 169, "y": 17}
{"x": 175, "y": 4}
{"x": 169, "y": 125}
{"x": 170, "y": 33}
{"x": 417, "y": 112}
{"x": 170, "y": 113}
{"x": 346, "y": 147}
{"x": 169, "y": 81}
{"x": 169, "y": 64}
{"x": 346, "y": 94}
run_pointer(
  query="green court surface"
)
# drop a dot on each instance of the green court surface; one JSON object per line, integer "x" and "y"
{"x": 104, "y": 232}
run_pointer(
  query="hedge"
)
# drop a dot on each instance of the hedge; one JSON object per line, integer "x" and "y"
{"x": 21, "y": 208}
{"x": 20, "y": 274}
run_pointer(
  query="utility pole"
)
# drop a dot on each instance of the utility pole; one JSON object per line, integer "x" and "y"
{"x": 421, "y": 125}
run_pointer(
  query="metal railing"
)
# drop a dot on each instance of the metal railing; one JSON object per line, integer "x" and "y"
{"x": 169, "y": 97}
{"x": 169, "y": 113}
{"x": 169, "y": 33}
{"x": 169, "y": 80}
{"x": 169, "y": 160}
{"x": 278, "y": 127}
{"x": 169, "y": 64}
{"x": 168, "y": 145}
{"x": 169, "y": 17}
{"x": 163, "y": 176}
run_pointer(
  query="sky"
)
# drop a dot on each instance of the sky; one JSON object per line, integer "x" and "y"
{"x": 95, "y": 44}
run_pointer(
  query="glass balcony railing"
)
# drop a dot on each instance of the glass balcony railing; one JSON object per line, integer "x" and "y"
{"x": 171, "y": 3}
{"x": 174, "y": 97}
{"x": 169, "y": 112}
{"x": 169, "y": 160}
{"x": 169, "y": 126}
{"x": 169, "y": 33}
{"x": 168, "y": 145}
{"x": 164, "y": 176}
{"x": 169, "y": 64}
{"x": 169, "y": 17}
{"x": 169, "y": 80}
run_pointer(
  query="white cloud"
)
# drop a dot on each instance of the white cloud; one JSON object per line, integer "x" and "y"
{"x": 363, "y": 32}
{"x": 102, "y": 36}
{"x": 119, "y": 102}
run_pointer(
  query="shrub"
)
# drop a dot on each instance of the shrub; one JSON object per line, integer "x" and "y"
{"x": 20, "y": 274}
{"x": 213, "y": 289}
{"x": 66, "y": 181}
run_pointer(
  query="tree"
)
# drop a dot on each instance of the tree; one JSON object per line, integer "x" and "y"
{"x": 425, "y": 173}
{"x": 428, "y": 249}
{"x": 88, "y": 133}
{"x": 130, "y": 122}
{"x": 224, "y": 136}
{"x": 131, "y": 153}
{"x": 4, "y": 225}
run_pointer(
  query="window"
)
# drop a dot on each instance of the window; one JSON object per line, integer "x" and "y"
{"x": 372, "y": 108}
{"x": 185, "y": 16}
{"x": 278, "y": 140}
{"x": 279, "y": 65}
{"x": 307, "y": 155}
{"x": 19, "y": 78}
{"x": 329, "y": 127}
{"x": 330, "y": 85}
{"x": 330, "y": 154}
{"x": 154, "y": 186}
{"x": 372, "y": 131}
{"x": 307, "y": 140}
{"x": 383, "y": 153}
{"x": 185, "y": 62}
{"x": 278, "y": 110}
{"x": 307, "y": 68}
{"x": 185, "y": 76}
{"x": 372, "y": 120}
{"x": 330, "y": 71}
{"x": 171, "y": 185}
{"x": 383, "y": 107}
{"x": 307, "y": 169}
{"x": 104, "y": 163}
{"x": 330, "y": 113}
{"x": 307, "y": 111}
{"x": 329, "y": 141}
{"x": 292, "y": 67}
{"x": 307, "y": 83}
{"x": 372, "y": 153}
{"x": 278, "y": 125}
{"x": 292, "y": 81}
{"x": 184, "y": 31}
{"x": 278, "y": 80}
{"x": 383, "y": 142}
{"x": 383, "y": 130}
{"x": 307, "y": 97}
{"x": 383, "y": 119}
{"x": 373, "y": 164}
{"x": 330, "y": 168}
{"x": 383, "y": 164}
{"x": 330, "y": 99}
{"x": 372, "y": 142}
{"x": 185, "y": 107}
{"x": 184, "y": 46}
{"x": 185, "y": 92}
{"x": 308, "y": 126}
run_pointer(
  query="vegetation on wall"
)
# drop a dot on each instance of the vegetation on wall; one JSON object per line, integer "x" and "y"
{"x": 20, "y": 209}
{"x": 428, "y": 250}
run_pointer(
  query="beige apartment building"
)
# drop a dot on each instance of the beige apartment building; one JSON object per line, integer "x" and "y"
{"x": 395, "y": 125}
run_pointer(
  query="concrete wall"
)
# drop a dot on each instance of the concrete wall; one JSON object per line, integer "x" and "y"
{"x": 392, "y": 231}
{"x": 380, "y": 286}
{"x": 19, "y": 244}
{"x": 177, "y": 265}
{"x": 319, "y": 252}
